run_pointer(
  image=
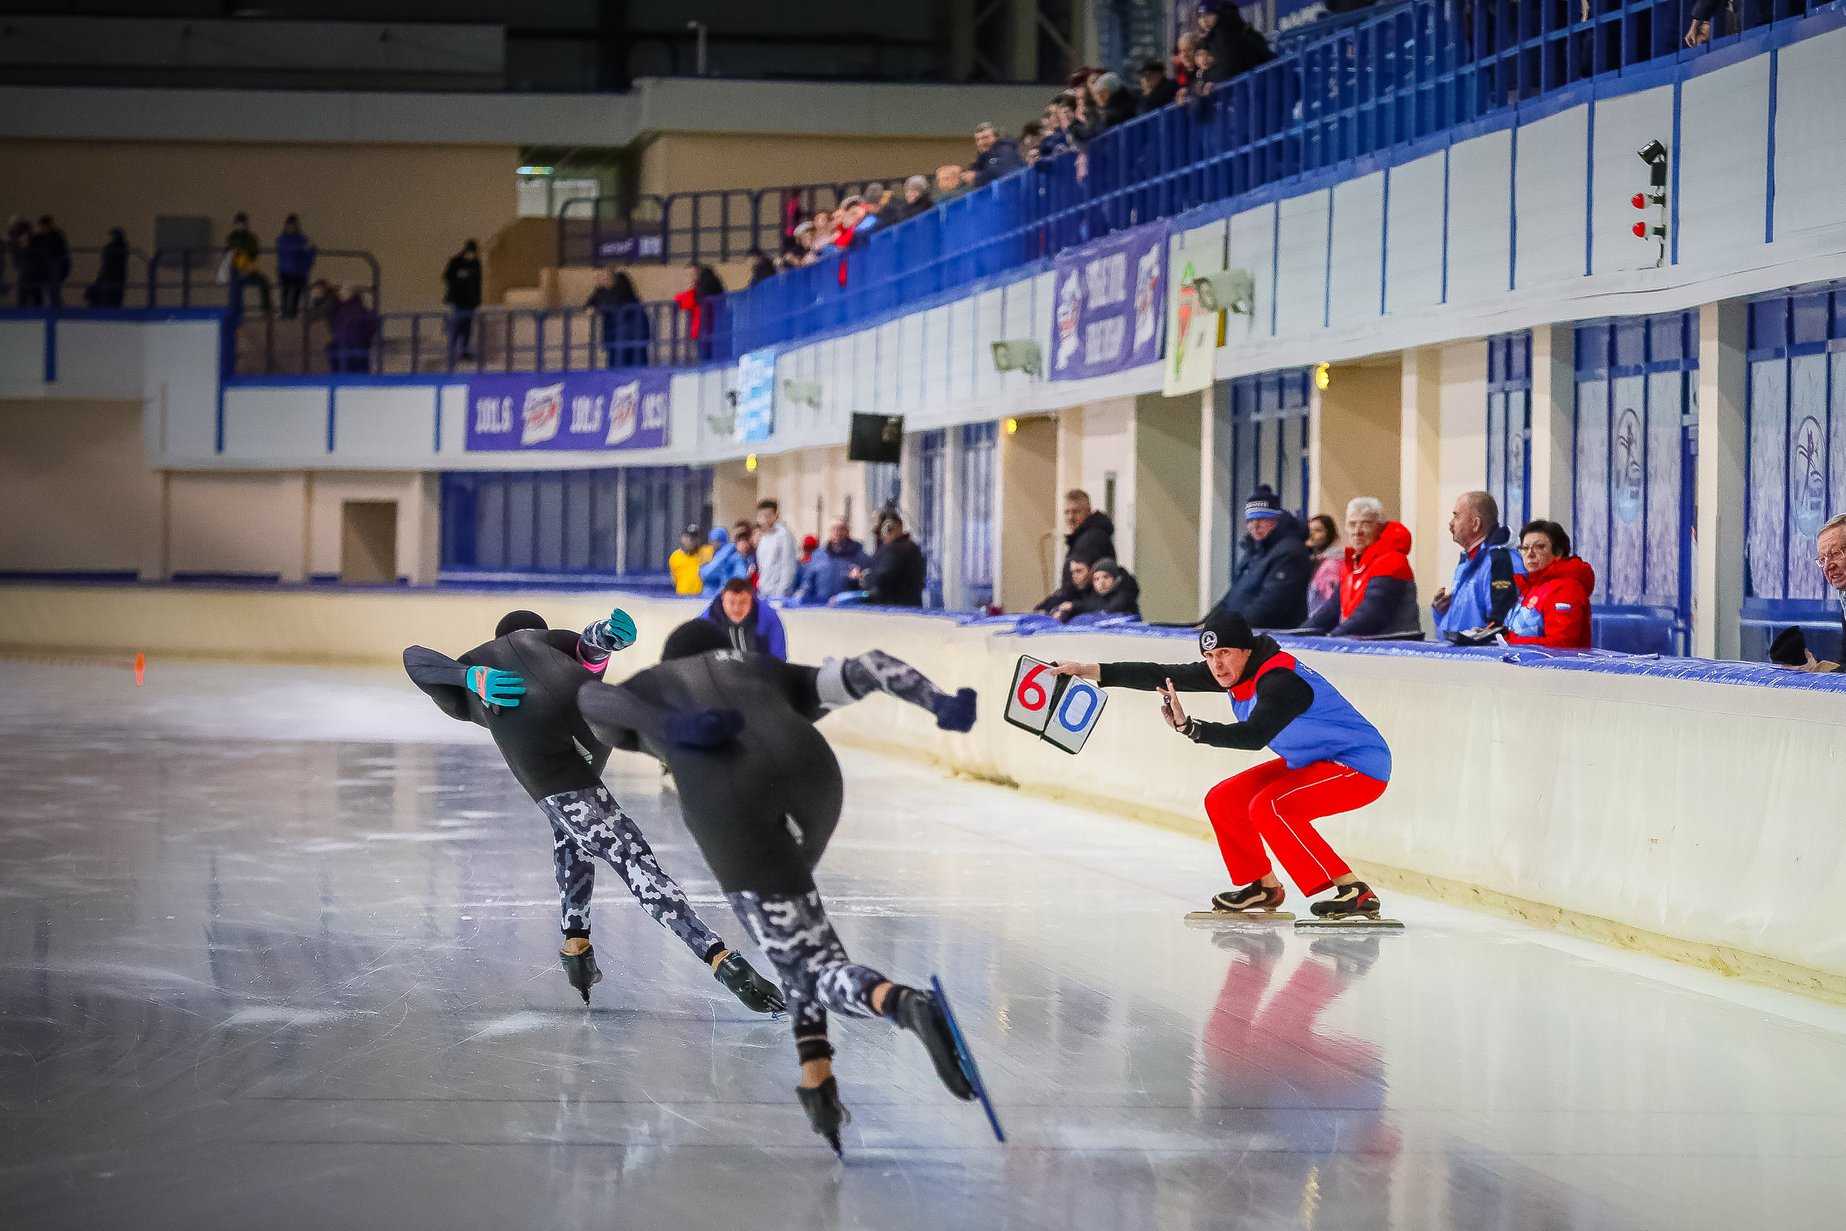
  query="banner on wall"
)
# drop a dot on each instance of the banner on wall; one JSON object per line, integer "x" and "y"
{"x": 756, "y": 396}
{"x": 1194, "y": 335}
{"x": 585, "y": 412}
{"x": 1109, "y": 304}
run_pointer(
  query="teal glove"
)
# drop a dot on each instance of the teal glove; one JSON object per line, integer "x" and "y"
{"x": 622, "y": 630}
{"x": 496, "y": 687}
{"x": 606, "y": 637}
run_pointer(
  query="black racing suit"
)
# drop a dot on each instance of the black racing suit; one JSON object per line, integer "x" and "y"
{"x": 559, "y": 762}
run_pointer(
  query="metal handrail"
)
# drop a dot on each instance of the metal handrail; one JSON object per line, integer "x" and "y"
{"x": 84, "y": 258}
{"x": 188, "y": 277}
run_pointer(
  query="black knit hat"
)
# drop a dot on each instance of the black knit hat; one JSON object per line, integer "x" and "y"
{"x": 694, "y": 637}
{"x": 1263, "y": 502}
{"x": 1106, "y": 565}
{"x": 513, "y": 621}
{"x": 1225, "y": 631}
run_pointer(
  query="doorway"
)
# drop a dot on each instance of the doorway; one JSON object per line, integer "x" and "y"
{"x": 368, "y": 542}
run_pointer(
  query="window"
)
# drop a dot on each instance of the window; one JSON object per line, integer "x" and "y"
{"x": 1269, "y": 440}
{"x": 612, "y": 522}
{"x": 932, "y": 448}
{"x": 1509, "y": 426}
{"x": 1635, "y": 451}
{"x": 977, "y": 501}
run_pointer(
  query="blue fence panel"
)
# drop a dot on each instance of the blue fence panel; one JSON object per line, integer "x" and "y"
{"x": 1636, "y": 448}
{"x": 565, "y": 521}
{"x": 1797, "y": 464}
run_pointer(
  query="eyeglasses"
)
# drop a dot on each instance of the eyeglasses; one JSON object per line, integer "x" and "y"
{"x": 1828, "y": 558}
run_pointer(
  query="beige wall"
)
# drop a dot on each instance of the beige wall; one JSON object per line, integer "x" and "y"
{"x": 237, "y": 523}
{"x": 1166, "y": 494}
{"x": 75, "y": 490}
{"x": 808, "y": 480}
{"x": 684, "y": 162}
{"x": 418, "y": 519}
{"x": 1028, "y": 499}
{"x": 410, "y": 205}
{"x": 733, "y": 493}
{"x": 1355, "y": 430}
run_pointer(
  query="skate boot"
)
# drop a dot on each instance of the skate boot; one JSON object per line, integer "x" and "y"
{"x": 1352, "y": 956}
{"x": 825, "y": 1111}
{"x": 919, "y": 1013}
{"x": 1349, "y": 901}
{"x": 1255, "y": 897}
{"x": 579, "y": 961}
{"x": 758, "y": 994}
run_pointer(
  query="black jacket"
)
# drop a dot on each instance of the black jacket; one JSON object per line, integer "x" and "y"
{"x": 1125, "y": 599}
{"x": 1237, "y": 47}
{"x": 1159, "y": 96}
{"x": 896, "y": 574}
{"x": 1000, "y": 158}
{"x": 1092, "y": 540}
{"x": 1270, "y": 587}
{"x": 461, "y": 282}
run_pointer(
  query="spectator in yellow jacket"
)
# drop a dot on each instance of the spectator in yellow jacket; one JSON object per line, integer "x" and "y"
{"x": 684, "y": 564}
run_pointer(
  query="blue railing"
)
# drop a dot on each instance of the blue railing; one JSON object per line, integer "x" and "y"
{"x": 1406, "y": 73}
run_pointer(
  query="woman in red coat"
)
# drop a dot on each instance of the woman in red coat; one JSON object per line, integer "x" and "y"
{"x": 1554, "y": 594}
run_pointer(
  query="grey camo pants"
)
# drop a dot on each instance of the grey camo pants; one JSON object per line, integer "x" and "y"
{"x": 810, "y": 961}
{"x": 587, "y": 825}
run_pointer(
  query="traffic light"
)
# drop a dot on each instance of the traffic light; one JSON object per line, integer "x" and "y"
{"x": 1654, "y": 155}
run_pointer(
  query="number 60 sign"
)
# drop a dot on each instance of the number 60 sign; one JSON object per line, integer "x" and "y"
{"x": 1060, "y": 709}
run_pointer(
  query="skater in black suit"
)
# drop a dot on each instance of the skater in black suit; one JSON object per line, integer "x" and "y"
{"x": 761, "y": 792}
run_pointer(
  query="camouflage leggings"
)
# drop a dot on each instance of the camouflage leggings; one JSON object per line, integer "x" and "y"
{"x": 586, "y": 825}
{"x": 809, "y": 959}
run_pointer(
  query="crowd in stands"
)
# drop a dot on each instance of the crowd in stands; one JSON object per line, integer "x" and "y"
{"x": 762, "y": 556}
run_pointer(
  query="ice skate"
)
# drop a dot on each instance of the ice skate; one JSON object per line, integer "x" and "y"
{"x": 579, "y": 961}
{"x": 1352, "y": 907}
{"x": 1352, "y": 954}
{"x": 825, "y": 1111}
{"x": 918, "y": 1012}
{"x": 758, "y": 994}
{"x": 1253, "y": 903}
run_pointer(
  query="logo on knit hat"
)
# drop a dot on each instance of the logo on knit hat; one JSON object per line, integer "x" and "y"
{"x": 1208, "y": 641}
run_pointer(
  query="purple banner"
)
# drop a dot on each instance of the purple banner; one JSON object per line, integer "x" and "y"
{"x": 586, "y": 412}
{"x": 1110, "y": 304}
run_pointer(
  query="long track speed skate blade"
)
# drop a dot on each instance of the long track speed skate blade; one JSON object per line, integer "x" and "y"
{"x": 1351, "y": 923}
{"x": 969, "y": 1069}
{"x": 1238, "y": 918}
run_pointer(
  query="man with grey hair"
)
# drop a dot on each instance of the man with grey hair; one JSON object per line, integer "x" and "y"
{"x": 1377, "y": 595}
{"x": 1484, "y": 587}
{"x": 1790, "y": 648}
{"x": 994, "y": 156}
{"x": 1115, "y": 102}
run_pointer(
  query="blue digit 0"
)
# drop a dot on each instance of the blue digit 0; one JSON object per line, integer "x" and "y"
{"x": 1089, "y": 709}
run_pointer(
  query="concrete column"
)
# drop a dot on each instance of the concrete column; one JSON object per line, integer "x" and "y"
{"x": 1165, "y": 527}
{"x": 292, "y": 558}
{"x": 1217, "y": 533}
{"x": 425, "y": 562}
{"x": 1554, "y": 401}
{"x": 1026, "y": 496}
{"x": 156, "y": 551}
{"x": 1723, "y": 476}
{"x": 1419, "y": 503}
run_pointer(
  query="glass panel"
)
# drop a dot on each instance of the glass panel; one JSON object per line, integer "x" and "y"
{"x": 1519, "y": 421}
{"x": 490, "y": 523}
{"x": 1768, "y": 450}
{"x": 602, "y": 513}
{"x": 1807, "y": 471}
{"x": 580, "y": 489}
{"x": 1836, "y": 466}
{"x": 1665, "y": 405}
{"x": 548, "y": 553}
{"x": 1628, "y": 472}
{"x": 1591, "y": 533}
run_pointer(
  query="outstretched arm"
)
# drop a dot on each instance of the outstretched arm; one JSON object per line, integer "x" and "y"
{"x": 620, "y": 718}
{"x": 842, "y": 681}
{"x": 1146, "y": 677}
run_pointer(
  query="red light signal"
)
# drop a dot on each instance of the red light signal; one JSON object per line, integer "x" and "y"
{"x": 1640, "y": 230}
{"x": 1638, "y": 200}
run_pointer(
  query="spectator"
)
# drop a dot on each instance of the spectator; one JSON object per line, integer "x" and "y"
{"x": 726, "y": 561}
{"x": 1089, "y": 535}
{"x": 776, "y": 552}
{"x": 111, "y": 273}
{"x": 700, "y": 302}
{"x": 897, "y": 572}
{"x": 1157, "y": 89}
{"x": 352, "y": 327}
{"x": 761, "y": 267}
{"x": 1075, "y": 597}
{"x": 54, "y": 261}
{"x": 1115, "y": 103}
{"x": 1555, "y": 588}
{"x": 1183, "y": 48}
{"x": 830, "y": 572}
{"x": 917, "y": 200}
{"x": 29, "y": 263}
{"x": 1236, "y": 47}
{"x": 994, "y": 157}
{"x": 1378, "y": 591}
{"x": 949, "y": 183}
{"x": 1117, "y": 592}
{"x": 461, "y": 291}
{"x": 1791, "y": 648}
{"x": 1270, "y": 587}
{"x": 809, "y": 545}
{"x": 1485, "y": 586}
{"x": 877, "y": 196}
{"x": 620, "y": 318}
{"x": 752, "y": 625}
{"x": 1061, "y": 134}
{"x": 1323, "y": 535}
{"x": 686, "y": 560}
{"x": 1206, "y": 76}
{"x": 295, "y": 254}
{"x": 1029, "y": 138}
{"x": 242, "y": 250}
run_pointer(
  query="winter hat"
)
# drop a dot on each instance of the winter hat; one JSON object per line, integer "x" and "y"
{"x": 1262, "y": 503}
{"x": 1106, "y": 565}
{"x": 1225, "y": 630}
{"x": 719, "y": 536}
{"x": 694, "y": 637}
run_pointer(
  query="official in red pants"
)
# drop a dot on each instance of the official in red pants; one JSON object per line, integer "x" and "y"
{"x": 1329, "y": 760}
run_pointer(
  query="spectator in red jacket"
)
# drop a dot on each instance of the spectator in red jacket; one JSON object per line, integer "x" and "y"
{"x": 699, "y": 301}
{"x": 1378, "y": 591}
{"x": 1554, "y": 601}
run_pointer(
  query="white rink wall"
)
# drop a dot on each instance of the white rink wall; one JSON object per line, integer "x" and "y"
{"x": 1699, "y": 812}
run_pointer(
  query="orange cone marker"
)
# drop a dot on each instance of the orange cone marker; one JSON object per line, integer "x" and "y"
{"x": 140, "y": 668}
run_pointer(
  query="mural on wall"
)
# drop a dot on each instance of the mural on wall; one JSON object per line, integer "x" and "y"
{"x": 1109, "y": 304}
{"x": 755, "y": 419}
{"x": 1194, "y": 334}
{"x": 587, "y": 412}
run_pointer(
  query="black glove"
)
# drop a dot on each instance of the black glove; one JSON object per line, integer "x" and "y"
{"x": 955, "y": 713}
{"x": 705, "y": 728}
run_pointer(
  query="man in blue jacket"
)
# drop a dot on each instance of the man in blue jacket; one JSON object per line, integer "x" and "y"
{"x": 1484, "y": 588}
{"x": 1270, "y": 587}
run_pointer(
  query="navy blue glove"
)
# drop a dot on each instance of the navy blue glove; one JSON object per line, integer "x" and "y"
{"x": 704, "y": 728}
{"x": 955, "y": 713}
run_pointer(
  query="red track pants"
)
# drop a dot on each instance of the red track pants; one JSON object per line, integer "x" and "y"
{"x": 1271, "y": 803}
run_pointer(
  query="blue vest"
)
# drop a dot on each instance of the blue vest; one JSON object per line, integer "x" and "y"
{"x": 1331, "y": 730}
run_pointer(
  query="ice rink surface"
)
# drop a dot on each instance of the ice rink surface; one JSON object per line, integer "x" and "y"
{"x": 277, "y": 949}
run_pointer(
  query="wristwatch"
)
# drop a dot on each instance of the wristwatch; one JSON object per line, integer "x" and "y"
{"x": 1191, "y": 729}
